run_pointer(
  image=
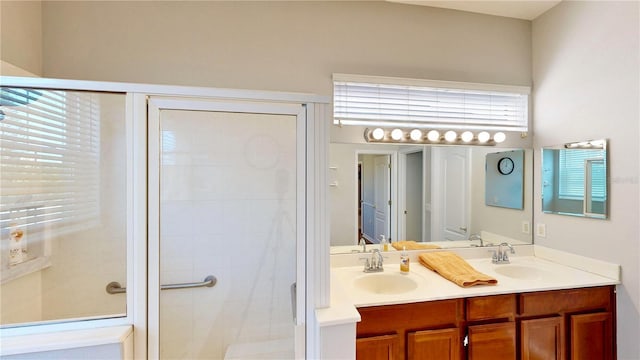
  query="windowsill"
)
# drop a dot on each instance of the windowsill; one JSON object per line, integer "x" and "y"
{"x": 25, "y": 268}
{"x": 25, "y": 344}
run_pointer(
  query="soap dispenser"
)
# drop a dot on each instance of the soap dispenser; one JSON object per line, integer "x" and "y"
{"x": 384, "y": 244}
{"x": 404, "y": 261}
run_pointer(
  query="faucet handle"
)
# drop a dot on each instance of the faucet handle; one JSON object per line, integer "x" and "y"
{"x": 505, "y": 256}
{"x": 367, "y": 263}
{"x": 494, "y": 255}
{"x": 363, "y": 243}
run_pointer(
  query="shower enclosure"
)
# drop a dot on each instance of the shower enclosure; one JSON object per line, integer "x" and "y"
{"x": 220, "y": 200}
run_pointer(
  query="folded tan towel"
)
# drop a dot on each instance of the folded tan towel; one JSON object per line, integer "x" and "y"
{"x": 412, "y": 245}
{"x": 454, "y": 268}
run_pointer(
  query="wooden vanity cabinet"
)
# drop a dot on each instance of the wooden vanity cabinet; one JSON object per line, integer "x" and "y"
{"x": 424, "y": 330}
{"x": 558, "y": 324}
{"x": 568, "y": 324}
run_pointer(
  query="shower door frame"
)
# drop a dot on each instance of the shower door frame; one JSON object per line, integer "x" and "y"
{"x": 155, "y": 106}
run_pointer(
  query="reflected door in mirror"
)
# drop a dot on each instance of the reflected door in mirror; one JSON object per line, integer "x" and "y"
{"x": 375, "y": 194}
{"x": 451, "y": 192}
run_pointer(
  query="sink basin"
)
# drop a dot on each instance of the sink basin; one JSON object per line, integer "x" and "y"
{"x": 385, "y": 283}
{"x": 522, "y": 272}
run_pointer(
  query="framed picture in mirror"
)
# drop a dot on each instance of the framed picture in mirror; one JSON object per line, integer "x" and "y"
{"x": 504, "y": 185}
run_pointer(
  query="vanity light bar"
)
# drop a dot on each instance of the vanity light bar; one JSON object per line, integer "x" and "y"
{"x": 591, "y": 144}
{"x": 419, "y": 136}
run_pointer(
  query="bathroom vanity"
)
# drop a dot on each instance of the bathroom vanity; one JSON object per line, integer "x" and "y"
{"x": 559, "y": 324}
{"x": 547, "y": 304}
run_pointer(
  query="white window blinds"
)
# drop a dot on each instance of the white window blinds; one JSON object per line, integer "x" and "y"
{"x": 573, "y": 167}
{"x": 50, "y": 152}
{"x": 379, "y": 101}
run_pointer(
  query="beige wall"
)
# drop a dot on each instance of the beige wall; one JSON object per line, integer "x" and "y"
{"x": 586, "y": 77}
{"x": 286, "y": 46}
{"x": 21, "y": 36}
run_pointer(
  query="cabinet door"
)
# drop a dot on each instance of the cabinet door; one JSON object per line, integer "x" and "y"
{"x": 541, "y": 339}
{"x": 441, "y": 344}
{"x": 383, "y": 347}
{"x": 492, "y": 341}
{"x": 591, "y": 336}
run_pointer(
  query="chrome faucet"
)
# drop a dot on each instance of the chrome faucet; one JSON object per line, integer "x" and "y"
{"x": 374, "y": 263}
{"x": 476, "y": 237}
{"x": 501, "y": 256}
{"x": 363, "y": 244}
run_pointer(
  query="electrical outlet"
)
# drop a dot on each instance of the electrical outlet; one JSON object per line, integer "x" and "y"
{"x": 541, "y": 230}
{"x": 526, "y": 228}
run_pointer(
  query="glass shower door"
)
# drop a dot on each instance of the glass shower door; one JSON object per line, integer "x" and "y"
{"x": 229, "y": 194}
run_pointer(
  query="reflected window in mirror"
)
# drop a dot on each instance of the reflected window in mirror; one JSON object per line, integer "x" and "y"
{"x": 574, "y": 179}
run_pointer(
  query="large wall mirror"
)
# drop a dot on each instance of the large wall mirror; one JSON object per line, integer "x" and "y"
{"x": 574, "y": 179}
{"x": 427, "y": 193}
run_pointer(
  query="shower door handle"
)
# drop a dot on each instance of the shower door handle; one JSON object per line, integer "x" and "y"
{"x": 294, "y": 307}
{"x": 210, "y": 281}
{"x": 114, "y": 287}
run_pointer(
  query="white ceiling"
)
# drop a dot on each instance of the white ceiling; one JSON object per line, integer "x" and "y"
{"x": 520, "y": 9}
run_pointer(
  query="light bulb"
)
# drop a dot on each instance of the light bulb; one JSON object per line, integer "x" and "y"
{"x": 433, "y": 135}
{"x": 450, "y": 136}
{"x": 377, "y": 134}
{"x": 499, "y": 137}
{"x": 483, "y": 137}
{"x": 467, "y": 136}
{"x": 396, "y": 134}
{"x": 415, "y": 134}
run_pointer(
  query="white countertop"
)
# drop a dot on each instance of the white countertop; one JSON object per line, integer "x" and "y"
{"x": 536, "y": 269}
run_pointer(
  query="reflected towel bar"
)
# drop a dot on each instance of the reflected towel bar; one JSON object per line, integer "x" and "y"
{"x": 114, "y": 287}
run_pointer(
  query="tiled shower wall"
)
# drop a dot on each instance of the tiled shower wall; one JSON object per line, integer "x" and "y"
{"x": 228, "y": 209}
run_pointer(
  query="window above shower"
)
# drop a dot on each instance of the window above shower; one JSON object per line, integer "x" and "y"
{"x": 63, "y": 205}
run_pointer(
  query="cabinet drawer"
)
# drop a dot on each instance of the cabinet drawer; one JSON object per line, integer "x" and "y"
{"x": 560, "y": 301}
{"x": 424, "y": 315}
{"x": 491, "y": 307}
